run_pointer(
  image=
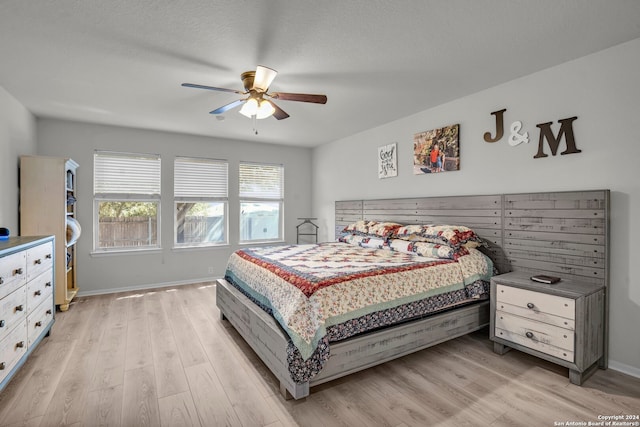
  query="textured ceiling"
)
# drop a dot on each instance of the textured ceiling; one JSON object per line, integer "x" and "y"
{"x": 122, "y": 62}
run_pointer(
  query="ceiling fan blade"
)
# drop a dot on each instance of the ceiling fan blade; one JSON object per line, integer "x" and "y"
{"x": 221, "y": 89}
{"x": 279, "y": 114}
{"x": 302, "y": 97}
{"x": 263, "y": 78}
{"x": 228, "y": 107}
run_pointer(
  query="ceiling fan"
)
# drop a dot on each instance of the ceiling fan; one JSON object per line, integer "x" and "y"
{"x": 256, "y": 84}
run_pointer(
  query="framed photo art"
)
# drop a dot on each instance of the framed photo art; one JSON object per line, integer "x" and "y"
{"x": 436, "y": 150}
{"x": 388, "y": 161}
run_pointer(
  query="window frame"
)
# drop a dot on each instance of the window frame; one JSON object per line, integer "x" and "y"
{"x": 246, "y": 199}
{"x": 155, "y": 198}
{"x": 201, "y": 199}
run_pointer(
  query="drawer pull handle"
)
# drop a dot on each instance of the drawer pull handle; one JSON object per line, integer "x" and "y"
{"x": 37, "y": 293}
{"x": 20, "y": 344}
{"x": 530, "y": 305}
{"x": 49, "y": 311}
{"x": 2, "y": 323}
{"x": 19, "y": 307}
{"x": 529, "y": 335}
{"x": 38, "y": 261}
{"x": 38, "y": 324}
{"x": 48, "y": 256}
{"x": 46, "y": 285}
{"x": 1, "y": 366}
{"x": 17, "y": 271}
{"x": 1, "y": 280}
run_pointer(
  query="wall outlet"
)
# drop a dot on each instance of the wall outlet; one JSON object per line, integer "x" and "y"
{"x": 210, "y": 271}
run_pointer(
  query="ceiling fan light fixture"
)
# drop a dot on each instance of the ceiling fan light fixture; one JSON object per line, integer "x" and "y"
{"x": 263, "y": 78}
{"x": 265, "y": 110}
{"x": 250, "y": 108}
{"x": 260, "y": 109}
{"x": 255, "y": 106}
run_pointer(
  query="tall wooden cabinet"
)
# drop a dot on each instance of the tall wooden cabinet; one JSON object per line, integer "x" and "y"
{"x": 48, "y": 207}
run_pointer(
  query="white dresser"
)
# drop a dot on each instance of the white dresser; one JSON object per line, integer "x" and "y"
{"x": 27, "y": 307}
{"x": 562, "y": 322}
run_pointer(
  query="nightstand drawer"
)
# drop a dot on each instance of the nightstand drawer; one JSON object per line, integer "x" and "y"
{"x": 535, "y": 332}
{"x": 536, "y": 302}
{"x": 538, "y": 316}
{"x": 536, "y": 345}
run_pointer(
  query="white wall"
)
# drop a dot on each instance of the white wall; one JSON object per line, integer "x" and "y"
{"x": 17, "y": 138}
{"x": 601, "y": 89}
{"x": 108, "y": 273}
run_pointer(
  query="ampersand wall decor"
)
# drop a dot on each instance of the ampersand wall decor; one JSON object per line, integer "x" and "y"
{"x": 515, "y": 138}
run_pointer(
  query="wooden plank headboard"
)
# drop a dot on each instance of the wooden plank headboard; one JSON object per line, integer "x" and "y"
{"x": 561, "y": 233}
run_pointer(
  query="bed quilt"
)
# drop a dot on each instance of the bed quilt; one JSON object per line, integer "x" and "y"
{"x": 309, "y": 288}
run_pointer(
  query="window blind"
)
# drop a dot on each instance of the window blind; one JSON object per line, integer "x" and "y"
{"x": 202, "y": 178}
{"x": 260, "y": 181}
{"x": 126, "y": 173}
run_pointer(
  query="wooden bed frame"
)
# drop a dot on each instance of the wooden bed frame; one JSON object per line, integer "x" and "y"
{"x": 564, "y": 233}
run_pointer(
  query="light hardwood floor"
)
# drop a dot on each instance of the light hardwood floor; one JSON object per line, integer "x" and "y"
{"x": 163, "y": 358}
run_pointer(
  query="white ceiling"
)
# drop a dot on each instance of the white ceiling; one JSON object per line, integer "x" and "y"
{"x": 122, "y": 62}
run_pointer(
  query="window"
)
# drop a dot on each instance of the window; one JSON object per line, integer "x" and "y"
{"x": 200, "y": 207}
{"x": 261, "y": 202}
{"x": 126, "y": 194}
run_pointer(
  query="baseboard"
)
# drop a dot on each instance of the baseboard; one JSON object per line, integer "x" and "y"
{"x": 145, "y": 287}
{"x": 625, "y": 369}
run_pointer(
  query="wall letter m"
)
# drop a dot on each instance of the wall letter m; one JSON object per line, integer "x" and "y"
{"x": 566, "y": 131}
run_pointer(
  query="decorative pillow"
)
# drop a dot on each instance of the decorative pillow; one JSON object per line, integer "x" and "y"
{"x": 452, "y": 235}
{"x": 373, "y": 228}
{"x": 363, "y": 241}
{"x": 356, "y": 227}
{"x": 433, "y": 250}
{"x": 400, "y": 245}
{"x": 426, "y": 249}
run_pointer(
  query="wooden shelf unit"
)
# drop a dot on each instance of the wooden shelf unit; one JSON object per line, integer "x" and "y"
{"x": 46, "y": 183}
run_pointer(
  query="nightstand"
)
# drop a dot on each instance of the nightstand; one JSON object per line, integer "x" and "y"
{"x": 562, "y": 323}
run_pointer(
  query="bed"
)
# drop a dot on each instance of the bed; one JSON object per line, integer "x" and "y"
{"x": 319, "y": 348}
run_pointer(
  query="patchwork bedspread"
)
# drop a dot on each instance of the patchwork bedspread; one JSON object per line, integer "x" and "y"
{"x": 309, "y": 288}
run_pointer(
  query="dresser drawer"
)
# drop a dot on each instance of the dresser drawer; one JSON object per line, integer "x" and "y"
{"x": 39, "y": 290}
{"x": 12, "y": 310}
{"x": 39, "y": 259}
{"x": 536, "y": 332}
{"x": 537, "y": 303}
{"x": 39, "y": 320}
{"x": 13, "y": 273}
{"x": 12, "y": 348}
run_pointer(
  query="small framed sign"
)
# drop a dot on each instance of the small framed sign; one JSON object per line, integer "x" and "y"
{"x": 388, "y": 161}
